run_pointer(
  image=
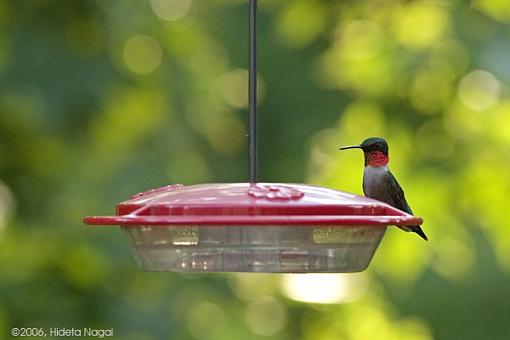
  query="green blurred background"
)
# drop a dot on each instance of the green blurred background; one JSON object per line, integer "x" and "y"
{"x": 103, "y": 99}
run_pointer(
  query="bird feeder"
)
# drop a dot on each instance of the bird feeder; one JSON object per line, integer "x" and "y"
{"x": 253, "y": 227}
{"x": 243, "y": 227}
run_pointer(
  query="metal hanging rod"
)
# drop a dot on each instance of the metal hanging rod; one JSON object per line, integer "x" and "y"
{"x": 252, "y": 89}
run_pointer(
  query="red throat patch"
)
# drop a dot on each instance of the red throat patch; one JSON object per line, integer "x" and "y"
{"x": 376, "y": 158}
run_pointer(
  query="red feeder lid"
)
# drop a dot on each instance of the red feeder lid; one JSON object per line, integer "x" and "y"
{"x": 252, "y": 204}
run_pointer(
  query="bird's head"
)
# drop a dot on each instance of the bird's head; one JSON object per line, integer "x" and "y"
{"x": 375, "y": 150}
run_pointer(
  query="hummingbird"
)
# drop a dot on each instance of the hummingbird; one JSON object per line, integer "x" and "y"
{"x": 378, "y": 181}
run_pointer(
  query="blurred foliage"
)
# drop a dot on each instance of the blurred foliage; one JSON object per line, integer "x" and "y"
{"x": 102, "y": 99}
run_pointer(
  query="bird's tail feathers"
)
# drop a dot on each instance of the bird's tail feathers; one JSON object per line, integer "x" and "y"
{"x": 415, "y": 229}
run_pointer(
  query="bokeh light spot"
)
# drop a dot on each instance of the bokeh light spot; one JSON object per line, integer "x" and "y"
{"x": 204, "y": 319}
{"x": 171, "y": 9}
{"x": 432, "y": 89}
{"x": 479, "y": 90}
{"x": 301, "y": 22}
{"x": 142, "y": 54}
{"x": 421, "y": 24}
{"x": 324, "y": 288}
{"x": 497, "y": 9}
{"x": 266, "y": 316}
{"x": 454, "y": 260}
{"x": 362, "y": 119}
{"x": 370, "y": 76}
{"x": 360, "y": 39}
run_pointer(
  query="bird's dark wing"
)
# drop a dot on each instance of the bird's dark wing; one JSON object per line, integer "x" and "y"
{"x": 397, "y": 193}
{"x": 400, "y": 202}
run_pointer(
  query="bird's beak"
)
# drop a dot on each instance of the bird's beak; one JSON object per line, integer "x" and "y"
{"x": 350, "y": 147}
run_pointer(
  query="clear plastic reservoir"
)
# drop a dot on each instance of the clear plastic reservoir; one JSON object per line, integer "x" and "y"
{"x": 272, "y": 248}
